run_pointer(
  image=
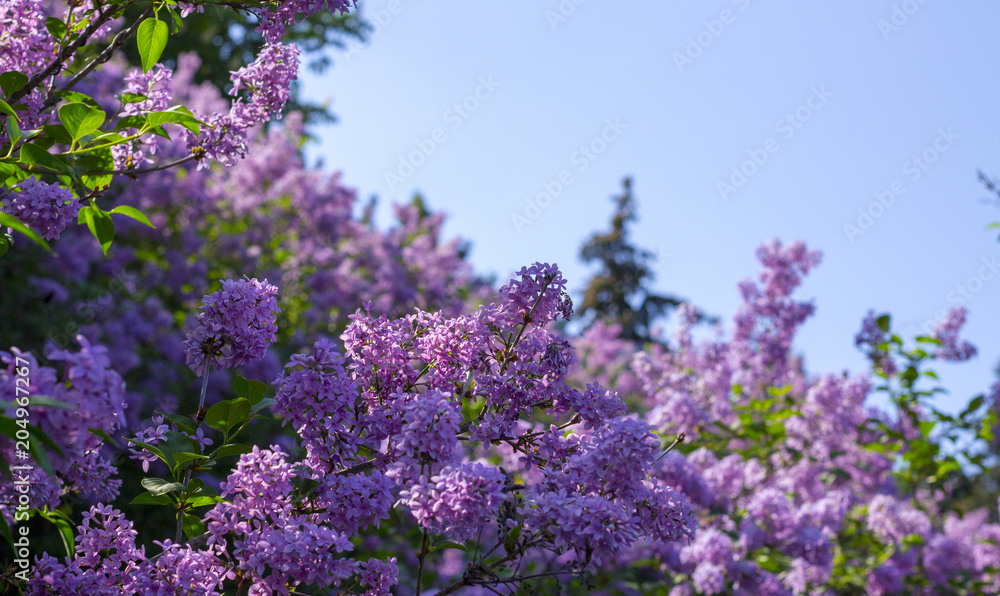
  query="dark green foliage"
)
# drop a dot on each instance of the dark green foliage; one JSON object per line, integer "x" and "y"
{"x": 620, "y": 292}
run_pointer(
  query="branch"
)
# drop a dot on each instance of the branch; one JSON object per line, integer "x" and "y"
{"x": 103, "y": 57}
{"x": 472, "y": 576}
{"x": 56, "y": 66}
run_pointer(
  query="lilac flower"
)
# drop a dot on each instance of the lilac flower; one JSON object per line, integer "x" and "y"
{"x": 709, "y": 578}
{"x": 427, "y": 438}
{"x": 236, "y": 325}
{"x": 355, "y": 502}
{"x": 318, "y": 395}
{"x": 947, "y": 333}
{"x": 276, "y": 17}
{"x": 378, "y": 576}
{"x": 268, "y": 79}
{"x": 46, "y": 208}
{"x": 891, "y": 520}
{"x": 151, "y": 435}
{"x": 458, "y": 500}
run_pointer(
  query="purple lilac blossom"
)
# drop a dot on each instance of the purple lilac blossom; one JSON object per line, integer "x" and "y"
{"x": 235, "y": 326}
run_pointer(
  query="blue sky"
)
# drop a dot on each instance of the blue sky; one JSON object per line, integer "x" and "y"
{"x": 739, "y": 121}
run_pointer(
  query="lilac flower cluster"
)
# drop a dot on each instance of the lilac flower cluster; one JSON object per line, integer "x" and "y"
{"x": 26, "y": 46}
{"x": 597, "y": 500}
{"x": 46, "y": 208}
{"x": 268, "y": 79}
{"x": 93, "y": 396}
{"x": 276, "y": 17}
{"x": 269, "y": 534}
{"x": 824, "y": 474}
{"x": 236, "y": 325}
{"x": 318, "y": 396}
{"x": 947, "y": 333}
{"x": 108, "y": 563}
{"x": 458, "y": 500}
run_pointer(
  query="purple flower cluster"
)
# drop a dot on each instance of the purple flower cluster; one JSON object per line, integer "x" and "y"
{"x": 318, "y": 396}
{"x": 46, "y": 208}
{"x": 598, "y": 501}
{"x": 268, "y": 533}
{"x": 458, "y": 500}
{"x": 235, "y": 326}
{"x": 276, "y": 17}
{"x": 268, "y": 79}
{"x": 946, "y": 332}
{"x": 93, "y": 396}
{"x": 379, "y": 576}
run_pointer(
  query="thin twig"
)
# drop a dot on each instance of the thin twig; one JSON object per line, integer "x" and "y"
{"x": 420, "y": 563}
{"x": 677, "y": 441}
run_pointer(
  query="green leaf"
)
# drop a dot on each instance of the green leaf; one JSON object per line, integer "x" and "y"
{"x": 152, "y": 39}
{"x": 133, "y": 121}
{"x": 100, "y": 433}
{"x": 128, "y": 98}
{"x": 57, "y": 133}
{"x": 48, "y": 402}
{"x": 12, "y": 81}
{"x": 883, "y": 323}
{"x": 8, "y": 221}
{"x": 94, "y": 161}
{"x": 134, "y": 214}
{"x": 227, "y": 414}
{"x": 13, "y": 131}
{"x": 150, "y": 448}
{"x": 193, "y": 526}
{"x": 159, "y": 486}
{"x": 6, "y": 109}
{"x": 183, "y": 457}
{"x": 177, "y": 115}
{"x": 65, "y": 528}
{"x": 56, "y": 27}
{"x": 148, "y": 498}
{"x": 227, "y": 450}
{"x": 4, "y": 245}
{"x": 81, "y": 119}
{"x": 182, "y": 422}
{"x": 100, "y": 225}
{"x": 972, "y": 407}
{"x": 447, "y": 545}
{"x": 254, "y": 391}
{"x": 202, "y": 500}
{"x": 35, "y": 154}
{"x": 76, "y": 96}
{"x": 176, "y": 442}
{"x": 5, "y": 529}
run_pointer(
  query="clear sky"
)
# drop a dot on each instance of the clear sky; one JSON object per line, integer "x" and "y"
{"x": 739, "y": 120}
